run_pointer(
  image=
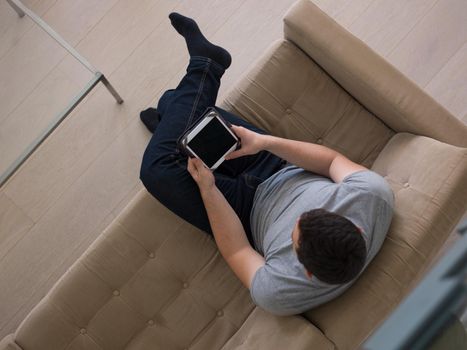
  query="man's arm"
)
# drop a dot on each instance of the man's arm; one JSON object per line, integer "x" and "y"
{"x": 226, "y": 226}
{"x": 315, "y": 158}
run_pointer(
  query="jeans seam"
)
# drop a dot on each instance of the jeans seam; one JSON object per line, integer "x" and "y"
{"x": 200, "y": 90}
{"x": 195, "y": 104}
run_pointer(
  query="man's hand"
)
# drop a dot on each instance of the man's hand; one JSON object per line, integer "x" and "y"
{"x": 252, "y": 142}
{"x": 202, "y": 175}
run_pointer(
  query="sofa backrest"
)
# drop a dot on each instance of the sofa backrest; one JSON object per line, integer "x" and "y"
{"x": 369, "y": 78}
{"x": 289, "y": 95}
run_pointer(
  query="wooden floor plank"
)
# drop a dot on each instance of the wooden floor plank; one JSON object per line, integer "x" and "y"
{"x": 14, "y": 223}
{"x": 24, "y": 67}
{"x": 449, "y": 86}
{"x": 119, "y": 33}
{"x": 13, "y": 27}
{"x": 33, "y": 58}
{"x": 73, "y": 19}
{"x": 384, "y": 23}
{"x": 351, "y": 11}
{"x": 35, "y": 113}
{"x": 432, "y": 42}
{"x": 246, "y": 39}
{"x": 344, "y": 12}
{"x": 42, "y": 188}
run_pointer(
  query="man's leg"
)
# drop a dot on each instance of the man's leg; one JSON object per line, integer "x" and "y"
{"x": 237, "y": 179}
{"x": 163, "y": 169}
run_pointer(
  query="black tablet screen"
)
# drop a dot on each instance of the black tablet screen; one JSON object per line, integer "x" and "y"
{"x": 212, "y": 142}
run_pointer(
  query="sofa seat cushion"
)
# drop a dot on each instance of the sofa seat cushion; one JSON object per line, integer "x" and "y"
{"x": 289, "y": 95}
{"x": 429, "y": 181}
{"x": 153, "y": 281}
{"x": 150, "y": 281}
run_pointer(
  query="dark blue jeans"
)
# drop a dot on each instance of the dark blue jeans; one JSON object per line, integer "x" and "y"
{"x": 164, "y": 168}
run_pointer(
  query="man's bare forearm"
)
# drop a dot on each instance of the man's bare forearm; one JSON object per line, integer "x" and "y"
{"x": 309, "y": 156}
{"x": 226, "y": 226}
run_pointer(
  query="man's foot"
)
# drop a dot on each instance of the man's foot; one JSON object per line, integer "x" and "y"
{"x": 151, "y": 118}
{"x": 197, "y": 44}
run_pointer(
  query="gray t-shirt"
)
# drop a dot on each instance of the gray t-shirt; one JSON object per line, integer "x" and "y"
{"x": 281, "y": 285}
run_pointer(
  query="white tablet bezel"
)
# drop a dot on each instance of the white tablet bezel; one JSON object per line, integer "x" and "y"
{"x": 200, "y": 127}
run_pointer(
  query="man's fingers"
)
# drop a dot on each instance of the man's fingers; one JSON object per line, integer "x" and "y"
{"x": 198, "y": 164}
{"x": 190, "y": 166}
{"x": 193, "y": 165}
{"x": 238, "y": 130}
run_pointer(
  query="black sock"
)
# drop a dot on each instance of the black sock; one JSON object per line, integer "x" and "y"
{"x": 151, "y": 118}
{"x": 197, "y": 44}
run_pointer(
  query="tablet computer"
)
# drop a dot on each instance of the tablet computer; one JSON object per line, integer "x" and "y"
{"x": 210, "y": 139}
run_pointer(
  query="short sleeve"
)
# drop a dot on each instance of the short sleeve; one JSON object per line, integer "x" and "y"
{"x": 370, "y": 181}
{"x": 260, "y": 288}
{"x": 264, "y": 294}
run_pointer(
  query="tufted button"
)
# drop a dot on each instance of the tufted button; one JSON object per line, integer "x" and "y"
{"x": 220, "y": 313}
{"x": 116, "y": 293}
{"x": 288, "y": 111}
{"x": 185, "y": 285}
{"x": 82, "y": 330}
{"x": 406, "y": 184}
{"x": 151, "y": 255}
{"x": 319, "y": 141}
{"x": 151, "y": 322}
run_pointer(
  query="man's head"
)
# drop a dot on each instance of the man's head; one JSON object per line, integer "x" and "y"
{"x": 330, "y": 246}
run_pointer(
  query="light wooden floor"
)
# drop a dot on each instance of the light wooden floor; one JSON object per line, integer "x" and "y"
{"x": 80, "y": 179}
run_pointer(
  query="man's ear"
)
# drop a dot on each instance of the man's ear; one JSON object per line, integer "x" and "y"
{"x": 308, "y": 273}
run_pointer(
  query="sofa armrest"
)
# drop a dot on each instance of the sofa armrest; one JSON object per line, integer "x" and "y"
{"x": 429, "y": 179}
{"x": 262, "y": 330}
{"x": 368, "y": 77}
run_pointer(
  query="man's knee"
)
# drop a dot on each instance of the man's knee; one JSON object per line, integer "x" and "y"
{"x": 164, "y": 101}
{"x": 154, "y": 178}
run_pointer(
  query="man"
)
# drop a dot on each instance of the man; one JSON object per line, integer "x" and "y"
{"x": 295, "y": 221}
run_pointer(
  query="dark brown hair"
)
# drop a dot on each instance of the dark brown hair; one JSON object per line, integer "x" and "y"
{"x": 330, "y": 246}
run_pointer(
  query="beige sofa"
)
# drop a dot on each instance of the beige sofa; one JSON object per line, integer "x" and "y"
{"x": 153, "y": 281}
